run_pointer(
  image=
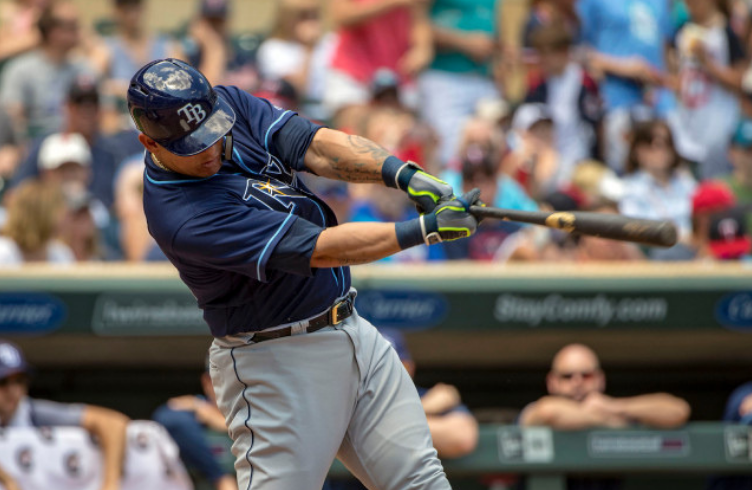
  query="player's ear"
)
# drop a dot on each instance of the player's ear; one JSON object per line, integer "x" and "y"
{"x": 148, "y": 143}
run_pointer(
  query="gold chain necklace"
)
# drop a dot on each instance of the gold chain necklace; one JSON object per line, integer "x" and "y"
{"x": 159, "y": 164}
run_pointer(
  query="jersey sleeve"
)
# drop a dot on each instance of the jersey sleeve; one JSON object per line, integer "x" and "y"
{"x": 239, "y": 239}
{"x": 293, "y": 253}
{"x": 291, "y": 142}
{"x": 262, "y": 119}
{"x": 47, "y": 413}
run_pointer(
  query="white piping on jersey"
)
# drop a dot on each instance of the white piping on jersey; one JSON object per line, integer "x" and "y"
{"x": 269, "y": 130}
{"x": 166, "y": 182}
{"x": 263, "y": 252}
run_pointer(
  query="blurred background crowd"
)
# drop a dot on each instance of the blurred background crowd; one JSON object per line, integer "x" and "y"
{"x": 639, "y": 107}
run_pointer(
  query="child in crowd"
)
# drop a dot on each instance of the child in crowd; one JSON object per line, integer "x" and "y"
{"x": 657, "y": 184}
{"x": 711, "y": 63}
{"x": 570, "y": 95}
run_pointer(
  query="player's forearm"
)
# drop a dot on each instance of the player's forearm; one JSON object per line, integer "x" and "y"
{"x": 355, "y": 243}
{"x": 336, "y": 155}
{"x": 110, "y": 428}
{"x": 659, "y": 410}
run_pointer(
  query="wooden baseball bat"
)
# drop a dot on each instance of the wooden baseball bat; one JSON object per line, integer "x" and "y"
{"x": 613, "y": 226}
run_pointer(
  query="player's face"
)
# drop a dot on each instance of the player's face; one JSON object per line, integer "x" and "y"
{"x": 204, "y": 164}
{"x": 575, "y": 376}
{"x": 12, "y": 390}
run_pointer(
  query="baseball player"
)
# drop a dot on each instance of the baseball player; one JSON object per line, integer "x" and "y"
{"x": 17, "y": 409}
{"x": 298, "y": 375}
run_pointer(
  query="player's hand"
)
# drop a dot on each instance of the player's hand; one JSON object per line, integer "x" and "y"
{"x": 426, "y": 191}
{"x": 450, "y": 220}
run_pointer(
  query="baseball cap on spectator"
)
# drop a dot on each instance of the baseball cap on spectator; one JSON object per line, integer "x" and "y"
{"x": 395, "y": 338}
{"x": 83, "y": 89}
{"x": 564, "y": 200}
{"x": 729, "y": 238}
{"x": 215, "y": 8}
{"x": 280, "y": 92}
{"x": 712, "y": 196}
{"x": 60, "y": 148}
{"x": 12, "y": 360}
{"x": 743, "y": 134}
{"x": 384, "y": 80}
{"x": 528, "y": 115}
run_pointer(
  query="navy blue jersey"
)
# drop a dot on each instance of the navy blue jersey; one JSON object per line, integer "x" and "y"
{"x": 242, "y": 239}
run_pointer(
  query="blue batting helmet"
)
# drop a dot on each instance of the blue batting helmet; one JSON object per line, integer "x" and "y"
{"x": 175, "y": 105}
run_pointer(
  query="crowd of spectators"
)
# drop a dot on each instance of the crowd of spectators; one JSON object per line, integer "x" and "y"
{"x": 640, "y": 107}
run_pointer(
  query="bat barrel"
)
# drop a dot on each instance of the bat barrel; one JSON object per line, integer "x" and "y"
{"x": 612, "y": 226}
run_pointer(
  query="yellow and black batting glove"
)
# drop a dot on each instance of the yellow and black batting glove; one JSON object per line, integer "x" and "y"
{"x": 450, "y": 220}
{"x": 425, "y": 190}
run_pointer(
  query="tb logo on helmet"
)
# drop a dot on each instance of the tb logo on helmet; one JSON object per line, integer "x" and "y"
{"x": 193, "y": 113}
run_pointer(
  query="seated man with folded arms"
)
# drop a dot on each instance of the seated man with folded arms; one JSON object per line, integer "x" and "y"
{"x": 576, "y": 399}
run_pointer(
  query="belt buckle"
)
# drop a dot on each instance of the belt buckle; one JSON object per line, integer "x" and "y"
{"x": 335, "y": 313}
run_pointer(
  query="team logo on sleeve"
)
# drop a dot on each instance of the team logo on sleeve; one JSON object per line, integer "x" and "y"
{"x": 191, "y": 114}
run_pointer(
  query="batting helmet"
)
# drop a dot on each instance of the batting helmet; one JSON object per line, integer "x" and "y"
{"x": 175, "y": 105}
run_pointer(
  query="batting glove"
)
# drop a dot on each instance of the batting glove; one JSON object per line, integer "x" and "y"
{"x": 425, "y": 190}
{"x": 450, "y": 220}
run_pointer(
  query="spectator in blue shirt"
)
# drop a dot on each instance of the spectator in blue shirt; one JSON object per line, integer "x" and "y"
{"x": 627, "y": 42}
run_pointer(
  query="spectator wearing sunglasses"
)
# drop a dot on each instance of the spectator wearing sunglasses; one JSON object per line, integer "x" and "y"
{"x": 658, "y": 185}
{"x": 576, "y": 399}
{"x": 17, "y": 409}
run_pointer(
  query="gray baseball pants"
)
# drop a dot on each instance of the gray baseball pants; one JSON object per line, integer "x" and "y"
{"x": 294, "y": 404}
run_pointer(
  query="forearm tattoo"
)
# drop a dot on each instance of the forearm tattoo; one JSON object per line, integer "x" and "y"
{"x": 361, "y": 163}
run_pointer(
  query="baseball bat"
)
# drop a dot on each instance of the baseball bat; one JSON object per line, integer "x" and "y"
{"x": 613, "y": 226}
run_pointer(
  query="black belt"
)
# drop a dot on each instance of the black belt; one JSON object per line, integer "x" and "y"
{"x": 334, "y": 315}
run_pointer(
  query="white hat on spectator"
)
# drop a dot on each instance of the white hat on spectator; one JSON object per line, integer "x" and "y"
{"x": 60, "y": 148}
{"x": 527, "y": 115}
